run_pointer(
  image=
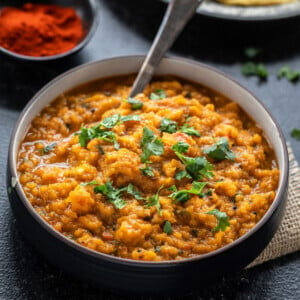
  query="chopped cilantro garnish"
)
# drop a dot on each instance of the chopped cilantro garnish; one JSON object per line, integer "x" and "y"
{"x": 253, "y": 69}
{"x": 111, "y": 122}
{"x": 167, "y": 125}
{"x": 168, "y": 227}
{"x": 252, "y": 52}
{"x": 189, "y": 130}
{"x": 287, "y": 72}
{"x": 147, "y": 171}
{"x": 135, "y": 104}
{"x": 130, "y": 189}
{"x": 130, "y": 118}
{"x": 196, "y": 167}
{"x": 184, "y": 195}
{"x": 47, "y": 148}
{"x": 94, "y": 182}
{"x": 180, "y": 147}
{"x": 150, "y": 144}
{"x": 222, "y": 218}
{"x": 158, "y": 95}
{"x": 113, "y": 194}
{"x": 220, "y": 150}
{"x": 182, "y": 174}
{"x": 170, "y": 126}
{"x": 88, "y": 134}
{"x": 154, "y": 201}
{"x": 295, "y": 133}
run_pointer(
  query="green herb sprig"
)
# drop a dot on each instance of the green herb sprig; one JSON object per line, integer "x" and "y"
{"x": 295, "y": 133}
{"x": 168, "y": 228}
{"x": 220, "y": 150}
{"x": 158, "y": 94}
{"x": 135, "y": 104}
{"x": 150, "y": 145}
{"x": 170, "y": 126}
{"x": 196, "y": 167}
{"x": 255, "y": 69}
{"x": 222, "y": 218}
{"x": 154, "y": 201}
{"x": 47, "y": 148}
{"x": 184, "y": 195}
{"x": 113, "y": 194}
{"x": 147, "y": 171}
{"x": 100, "y": 131}
{"x": 288, "y": 73}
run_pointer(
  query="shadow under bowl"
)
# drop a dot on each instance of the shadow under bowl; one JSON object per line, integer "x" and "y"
{"x": 132, "y": 276}
{"x": 87, "y": 10}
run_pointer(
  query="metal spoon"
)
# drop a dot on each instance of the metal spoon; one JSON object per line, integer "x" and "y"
{"x": 178, "y": 13}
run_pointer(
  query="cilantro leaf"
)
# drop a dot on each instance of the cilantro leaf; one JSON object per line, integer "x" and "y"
{"x": 130, "y": 118}
{"x": 295, "y": 133}
{"x": 189, "y": 130}
{"x": 93, "y": 132}
{"x": 182, "y": 174}
{"x": 253, "y": 69}
{"x": 94, "y": 182}
{"x": 110, "y": 122}
{"x": 135, "y": 104}
{"x": 252, "y": 52}
{"x": 154, "y": 201}
{"x": 220, "y": 150}
{"x": 184, "y": 195}
{"x": 110, "y": 137}
{"x": 130, "y": 189}
{"x": 167, "y": 125}
{"x": 180, "y": 147}
{"x": 170, "y": 126}
{"x": 147, "y": 171}
{"x": 48, "y": 148}
{"x": 113, "y": 194}
{"x": 151, "y": 145}
{"x": 287, "y": 72}
{"x": 158, "y": 95}
{"x": 196, "y": 167}
{"x": 222, "y": 218}
{"x": 168, "y": 227}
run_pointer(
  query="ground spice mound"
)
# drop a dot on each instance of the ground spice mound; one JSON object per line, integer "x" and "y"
{"x": 40, "y": 30}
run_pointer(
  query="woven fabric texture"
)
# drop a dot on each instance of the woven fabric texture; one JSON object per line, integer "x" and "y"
{"x": 287, "y": 238}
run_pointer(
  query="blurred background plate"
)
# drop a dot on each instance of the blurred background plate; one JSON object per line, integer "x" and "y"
{"x": 248, "y": 13}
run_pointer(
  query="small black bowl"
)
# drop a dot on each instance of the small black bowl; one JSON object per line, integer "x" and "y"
{"x": 86, "y": 9}
{"x": 127, "y": 275}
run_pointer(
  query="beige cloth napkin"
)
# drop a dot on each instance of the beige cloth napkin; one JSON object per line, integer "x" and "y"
{"x": 287, "y": 238}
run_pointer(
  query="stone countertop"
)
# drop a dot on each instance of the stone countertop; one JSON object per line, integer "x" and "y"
{"x": 129, "y": 29}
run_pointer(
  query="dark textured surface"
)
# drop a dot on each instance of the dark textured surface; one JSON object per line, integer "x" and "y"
{"x": 128, "y": 30}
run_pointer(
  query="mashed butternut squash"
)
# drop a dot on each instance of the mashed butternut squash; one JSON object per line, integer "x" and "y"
{"x": 176, "y": 172}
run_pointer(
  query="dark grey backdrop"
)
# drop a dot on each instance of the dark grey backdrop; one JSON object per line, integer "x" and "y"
{"x": 127, "y": 27}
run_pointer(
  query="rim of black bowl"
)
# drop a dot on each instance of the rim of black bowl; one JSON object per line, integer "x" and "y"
{"x": 79, "y": 46}
{"x": 126, "y": 261}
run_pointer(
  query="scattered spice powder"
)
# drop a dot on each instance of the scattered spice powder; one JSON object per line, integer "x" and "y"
{"x": 40, "y": 30}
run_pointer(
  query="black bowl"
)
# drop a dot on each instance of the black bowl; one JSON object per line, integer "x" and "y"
{"x": 127, "y": 275}
{"x": 86, "y": 9}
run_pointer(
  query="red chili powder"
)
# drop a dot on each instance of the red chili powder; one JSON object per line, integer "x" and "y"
{"x": 40, "y": 30}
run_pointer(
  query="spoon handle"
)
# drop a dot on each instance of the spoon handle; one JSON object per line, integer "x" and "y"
{"x": 177, "y": 15}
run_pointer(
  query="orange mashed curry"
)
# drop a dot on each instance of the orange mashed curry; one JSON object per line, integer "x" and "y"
{"x": 176, "y": 172}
